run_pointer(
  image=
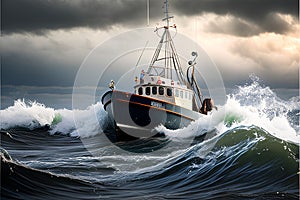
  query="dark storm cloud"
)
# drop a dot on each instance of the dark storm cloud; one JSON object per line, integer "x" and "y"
{"x": 40, "y": 15}
{"x": 261, "y": 13}
{"x": 44, "y": 60}
{"x": 232, "y": 26}
{"x": 248, "y": 9}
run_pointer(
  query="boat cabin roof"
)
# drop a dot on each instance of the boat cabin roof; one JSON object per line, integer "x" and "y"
{"x": 159, "y": 81}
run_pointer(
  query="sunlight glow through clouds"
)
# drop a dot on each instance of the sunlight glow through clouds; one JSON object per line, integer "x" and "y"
{"x": 265, "y": 53}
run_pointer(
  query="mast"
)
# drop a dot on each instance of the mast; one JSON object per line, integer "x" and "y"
{"x": 165, "y": 59}
{"x": 167, "y": 13}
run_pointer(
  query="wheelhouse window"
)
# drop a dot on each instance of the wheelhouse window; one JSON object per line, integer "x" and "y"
{"x": 186, "y": 94}
{"x": 177, "y": 93}
{"x": 140, "y": 91}
{"x": 181, "y": 94}
{"x": 169, "y": 92}
{"x": 154, "y": 90}
{"x": 161, "y": 90}
{"x": 148, "y": 90}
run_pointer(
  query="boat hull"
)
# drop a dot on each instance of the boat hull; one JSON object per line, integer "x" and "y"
{"x": 132, "y": 116}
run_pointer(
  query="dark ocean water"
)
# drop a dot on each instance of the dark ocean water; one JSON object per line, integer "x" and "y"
{"x": 253, "y": 155}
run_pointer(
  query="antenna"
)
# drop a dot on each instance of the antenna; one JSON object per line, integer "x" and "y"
{"x": 167, "y": 13}
{"x": 148, "y": 12}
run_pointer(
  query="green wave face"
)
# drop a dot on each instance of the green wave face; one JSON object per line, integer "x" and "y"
{"x": 232, "y": 118}
{"x": 255, "y": 148}
{"x": 57, "y": 119}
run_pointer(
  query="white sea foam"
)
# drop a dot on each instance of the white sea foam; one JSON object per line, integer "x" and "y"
{"x": 35, "y": 115}
{"x": 28, "y": 115}
{"x": 251, "y": 104}
{"x": 87, "y": 121}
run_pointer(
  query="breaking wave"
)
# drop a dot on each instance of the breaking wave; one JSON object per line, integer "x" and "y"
{"x": 249, "y": 105}
{"x": 254, "y": 155}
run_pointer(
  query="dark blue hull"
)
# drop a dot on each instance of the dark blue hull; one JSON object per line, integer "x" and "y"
{"x": 133, "y": 116}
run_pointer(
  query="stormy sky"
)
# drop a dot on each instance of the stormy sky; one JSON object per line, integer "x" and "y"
{"x": 44, "y": 42}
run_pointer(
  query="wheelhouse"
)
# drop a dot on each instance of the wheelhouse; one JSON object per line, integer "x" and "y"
{"x": 178, "y": 95}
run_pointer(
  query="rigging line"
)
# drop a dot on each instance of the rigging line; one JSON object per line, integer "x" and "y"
{"x": 157, "y": 51}
{"x": 176, "y": 67}
{"x": 178, "y": 63}
{"x": 176, "y": 70}
{"x": 169, "y": 55}
{"x": 166, "y": 54}
{"x": 142, "y": 54}
{"x": 155, "y": 56}
{"x": 167, "y": 58}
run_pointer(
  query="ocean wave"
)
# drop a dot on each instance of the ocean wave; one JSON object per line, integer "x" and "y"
{"x": 23, "y": 182}
{"x": 247, "y": 161}
{"x": 244, "y": 162}
{"x": 251, "y": 104}
{"x": 34, "y": 115}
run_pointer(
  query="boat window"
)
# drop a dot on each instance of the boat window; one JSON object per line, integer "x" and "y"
{"x": 190, "y": 96}
{"x": 169, "y": 92}
{"x": 181, "y": 94}
{"x": 185, "y": 94}
{"x": 140, "y": 91}
{"x": 148, "y": 90}
{"x": 176, "y": 93}
{"x": 161, "y": 90}
{"x": 154, "y": 90}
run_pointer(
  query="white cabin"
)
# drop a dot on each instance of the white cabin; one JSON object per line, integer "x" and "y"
{"x": 165, "y": 89}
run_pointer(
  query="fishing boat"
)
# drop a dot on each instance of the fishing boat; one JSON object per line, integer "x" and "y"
{"x": 163, "y": 95}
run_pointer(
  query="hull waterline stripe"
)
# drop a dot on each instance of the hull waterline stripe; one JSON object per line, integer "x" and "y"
{"x": 132, "y": 127}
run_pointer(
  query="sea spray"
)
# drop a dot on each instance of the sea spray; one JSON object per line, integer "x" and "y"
{"x": 29, "y": 115}
{"x": 33, "y": 115}
{"x": 254, "y": 155}
{"x": 251, "y": 104}
{"x": 260, "y": 106}
{"x": 86, "y": 124}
